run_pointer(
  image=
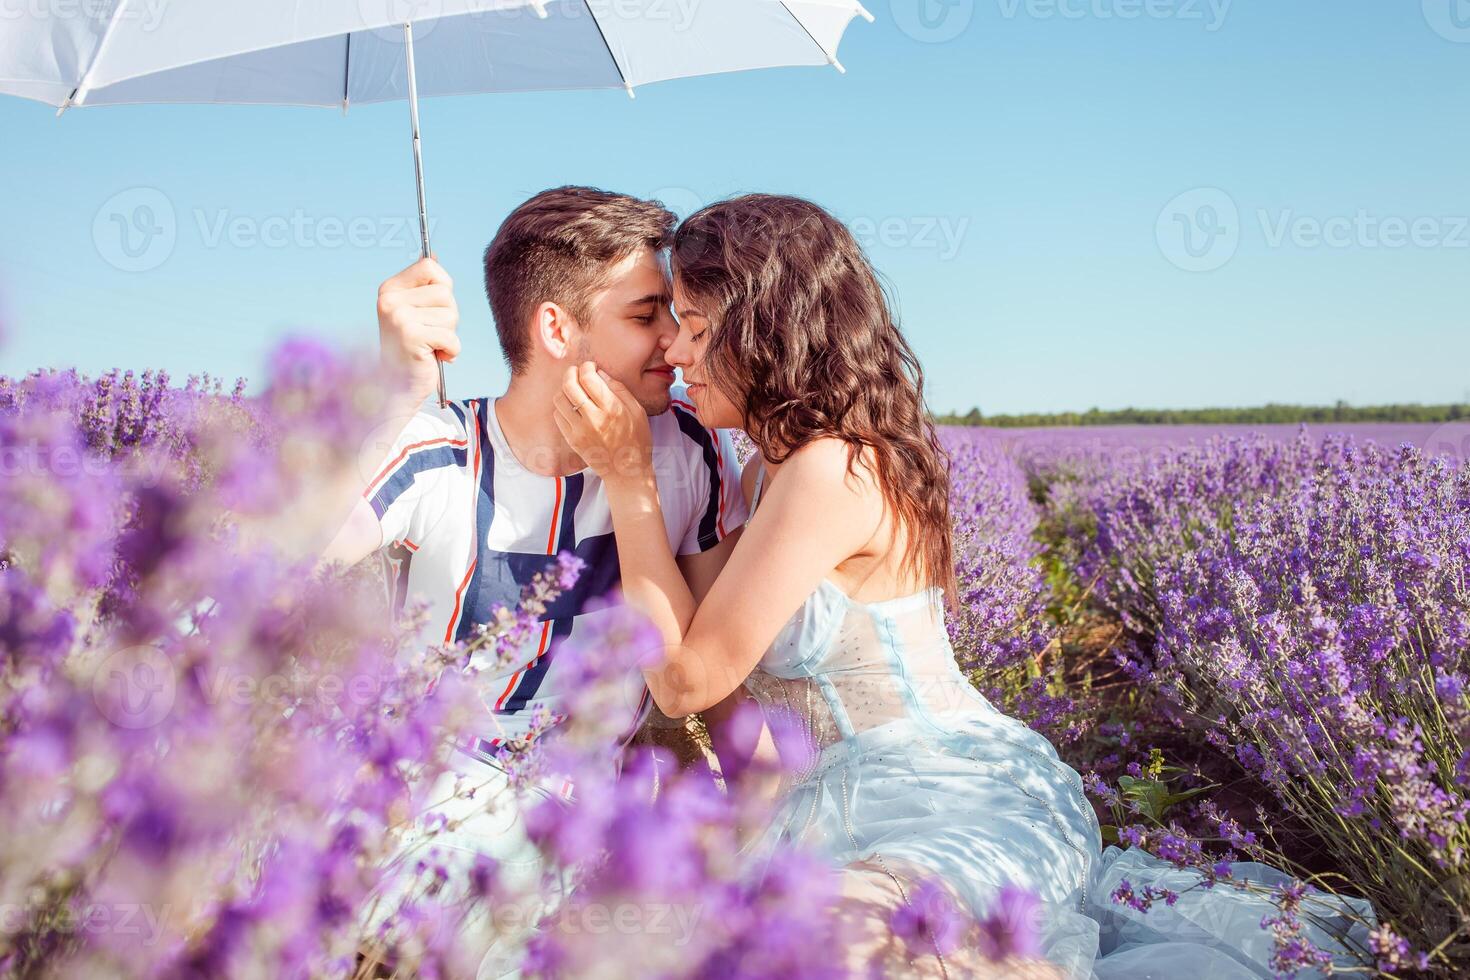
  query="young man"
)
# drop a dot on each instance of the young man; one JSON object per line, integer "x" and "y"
{"x": 472, "y": 500}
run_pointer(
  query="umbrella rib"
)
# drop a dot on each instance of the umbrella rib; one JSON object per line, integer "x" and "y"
{"x": 611, "y": 57}
{"x": 830, "y": 58}
{"x": 82, "y": 86}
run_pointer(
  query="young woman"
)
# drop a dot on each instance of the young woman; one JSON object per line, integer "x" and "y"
{"x": 831, "y": 610}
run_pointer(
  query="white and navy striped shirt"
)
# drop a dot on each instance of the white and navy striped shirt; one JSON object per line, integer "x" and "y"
{"x": 466, "y": 526}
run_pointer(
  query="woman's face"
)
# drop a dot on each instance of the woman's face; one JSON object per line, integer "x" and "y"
{"x": 715, "y": 411}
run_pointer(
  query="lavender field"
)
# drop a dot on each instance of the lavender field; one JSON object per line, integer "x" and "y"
{"x": 1253, "y": 644}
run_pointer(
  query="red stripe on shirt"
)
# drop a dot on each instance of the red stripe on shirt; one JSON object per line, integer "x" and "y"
{"x": 555, "y": 520}
{"x": 516, "y": 677}
{"x": 458, "y": 599}
{"x": 474, "y": 540}
{"x": 387, "y": 471}
{"x": 551, "y": 543}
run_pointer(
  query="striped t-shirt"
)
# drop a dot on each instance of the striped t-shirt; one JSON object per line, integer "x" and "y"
{"x": 466, "y": 526}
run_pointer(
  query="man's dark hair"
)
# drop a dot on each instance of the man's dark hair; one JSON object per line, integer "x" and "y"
{"x": 556, "y": 247}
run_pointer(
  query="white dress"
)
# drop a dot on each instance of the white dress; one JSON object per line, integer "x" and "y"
{"x": 904, "y": 759}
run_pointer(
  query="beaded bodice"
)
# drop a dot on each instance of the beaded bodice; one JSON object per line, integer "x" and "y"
{"x": 840, "y": 667}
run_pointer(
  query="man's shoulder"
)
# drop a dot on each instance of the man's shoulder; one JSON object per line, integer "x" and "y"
{"x": 435, "y": 438}
{"x": 452, "y": 420}
{"x": 680, "y": 427}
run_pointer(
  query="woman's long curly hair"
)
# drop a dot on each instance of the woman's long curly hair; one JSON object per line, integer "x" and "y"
{"x": 806, "y": 345}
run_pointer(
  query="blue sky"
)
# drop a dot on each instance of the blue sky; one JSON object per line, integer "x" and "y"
{"x": 1162, "y": 203}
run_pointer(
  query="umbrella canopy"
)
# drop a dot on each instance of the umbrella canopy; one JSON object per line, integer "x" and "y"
{"x": 337, "y": 52}
{"x": 285, "y": 52}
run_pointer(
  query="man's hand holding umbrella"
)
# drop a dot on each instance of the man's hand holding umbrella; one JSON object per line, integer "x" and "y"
{"x": 418, "y": 322}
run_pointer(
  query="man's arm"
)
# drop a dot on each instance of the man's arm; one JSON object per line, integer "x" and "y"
{"x": 360, "y": 536}
{"x": 417, "y": 320}
{"x": 701, "y": 569}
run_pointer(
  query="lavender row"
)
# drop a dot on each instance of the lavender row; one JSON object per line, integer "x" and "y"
{"x": 1305, "y": 606}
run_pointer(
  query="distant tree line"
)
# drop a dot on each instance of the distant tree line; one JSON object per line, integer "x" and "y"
{"x": 1260, "y": 415}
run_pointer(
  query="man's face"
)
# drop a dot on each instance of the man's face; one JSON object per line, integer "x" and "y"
{"x": 631, "y": 327}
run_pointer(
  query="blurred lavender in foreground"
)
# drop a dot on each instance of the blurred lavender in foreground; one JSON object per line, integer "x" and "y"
{"x": 209, "y": 747}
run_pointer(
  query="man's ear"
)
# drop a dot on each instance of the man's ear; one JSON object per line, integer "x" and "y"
{"x": 554, "y": 330}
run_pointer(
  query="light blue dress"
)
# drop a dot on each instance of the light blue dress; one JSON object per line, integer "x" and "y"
{"x": 897, "y": 756}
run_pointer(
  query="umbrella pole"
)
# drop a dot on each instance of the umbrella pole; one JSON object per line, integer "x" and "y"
{"x": 418, "y": 173}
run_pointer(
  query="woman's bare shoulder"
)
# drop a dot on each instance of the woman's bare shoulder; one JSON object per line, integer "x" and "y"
{"x": 829, "y": 471}
{"x": 830, "y": 461}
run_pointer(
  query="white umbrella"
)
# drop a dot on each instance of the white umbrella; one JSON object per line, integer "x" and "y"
{"x": 336, "y": 52}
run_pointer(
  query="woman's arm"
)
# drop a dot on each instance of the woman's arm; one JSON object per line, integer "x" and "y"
{"x": 811, "y": 519}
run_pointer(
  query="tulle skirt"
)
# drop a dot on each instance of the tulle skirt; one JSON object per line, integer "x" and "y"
{"x": 982, "y": 801}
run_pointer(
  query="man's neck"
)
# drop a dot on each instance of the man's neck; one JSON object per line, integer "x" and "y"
{"x": 526, "y": 416}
